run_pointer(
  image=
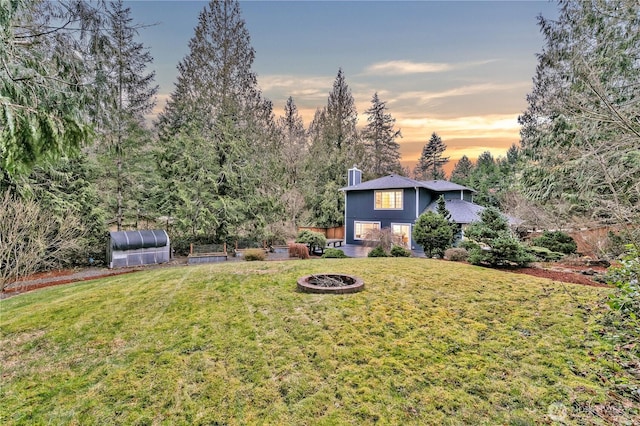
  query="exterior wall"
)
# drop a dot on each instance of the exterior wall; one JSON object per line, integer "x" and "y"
{"x": 455, "y": 195}
{"x": 426, "y": 197}
{"x": 361, "y": 207}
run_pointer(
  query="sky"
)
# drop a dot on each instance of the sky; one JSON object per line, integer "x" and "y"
{"x": 461, "y": 69}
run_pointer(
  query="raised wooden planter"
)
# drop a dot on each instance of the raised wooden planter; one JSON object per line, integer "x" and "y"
{"x": 207, "y": 253}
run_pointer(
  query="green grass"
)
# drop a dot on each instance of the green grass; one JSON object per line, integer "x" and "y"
{"x": 427, "y": 342}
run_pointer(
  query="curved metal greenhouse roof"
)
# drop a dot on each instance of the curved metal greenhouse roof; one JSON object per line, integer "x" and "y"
{"x": 132, "y": 240}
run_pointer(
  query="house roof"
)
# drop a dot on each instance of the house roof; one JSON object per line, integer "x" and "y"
{"x": 461, "y": 211}
{"x": 444, "y": 185}
{"x": 397, "y": 182}
{"x": 464, "y": 212}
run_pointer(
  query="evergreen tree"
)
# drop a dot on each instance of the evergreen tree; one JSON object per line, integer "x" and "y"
{"x": 380, "y": 139}
{"x": 217, "y": 126}
{"x": 486, "y": 180}
{"x": 433, "y": 233}
{"x": 294, "y": 153}
{"x": 461, "y": 173}
{"x": 580, "y": 132}
{"x": 335, "y": 146}
{"x": 124, "y": 94}
{"x": 441, "y": 208}
{"x": 501, "y": 247}
{"x": 431, "y": 162}
{"x": 216, "y": 76}
{"x": 43, "y": 90}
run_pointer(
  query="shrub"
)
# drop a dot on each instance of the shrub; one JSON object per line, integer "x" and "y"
{"x": 434, "y": 233}
{"x": 399, "y": 251}
{"x": 544, "y": 254}
{"x": 298, "y": 250}
{"x": 378, "y": 252}
{"x": 32, "y": 239}
{"x": 384, "y": 238}
{"x": 333, "y": 253}
{"x": 626, "y": 278}
{"x": 456, "y": 254}
{"x": 556, "y": 241}
{"x": 254, "y": 254}
{"x": 314, "y": 240}
{"x": 496, "y": 244}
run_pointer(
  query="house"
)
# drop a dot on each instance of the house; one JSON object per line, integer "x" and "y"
{"x": 396, "y": 202}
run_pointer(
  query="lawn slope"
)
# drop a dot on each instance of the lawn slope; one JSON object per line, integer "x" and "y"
{"x": 427, "y": 342}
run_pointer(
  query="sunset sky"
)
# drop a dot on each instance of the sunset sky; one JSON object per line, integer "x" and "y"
{"x": 461, "y": 69}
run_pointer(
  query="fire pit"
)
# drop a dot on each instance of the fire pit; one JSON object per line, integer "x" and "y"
{"x": 330, "y": 283}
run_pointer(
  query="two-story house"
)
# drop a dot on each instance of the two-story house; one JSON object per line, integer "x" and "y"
{"x": 396, "y": 202}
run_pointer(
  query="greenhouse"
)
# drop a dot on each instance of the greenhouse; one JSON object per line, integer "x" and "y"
{"x": 134, "y": 248}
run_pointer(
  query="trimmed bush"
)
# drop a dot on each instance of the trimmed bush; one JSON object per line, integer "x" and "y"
{"x": 333, "y": 253}
{"x": 456, "y": 254}
{"x": 556, "y": 241}
{"x": 254, "y": 254}
{"x": 378, "y": 252}
{"x": 434, "y": 233}
{"x": 314, "y": 240}
{"x": 399, "y": 251}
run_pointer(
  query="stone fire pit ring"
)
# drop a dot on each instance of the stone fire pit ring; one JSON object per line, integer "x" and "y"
{"x": 330, "y": 283}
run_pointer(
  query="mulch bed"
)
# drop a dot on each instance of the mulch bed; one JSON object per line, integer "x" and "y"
{"x": 575, "y": 276}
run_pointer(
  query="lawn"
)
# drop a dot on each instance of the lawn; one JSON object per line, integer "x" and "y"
{"x": 427, "y": 342}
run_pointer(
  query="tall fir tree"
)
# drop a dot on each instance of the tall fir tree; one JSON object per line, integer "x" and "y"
{"x": 124, "y": 93}
{"x": 294, "y": 151}
{"x": 461, "y": 172}
{"x": 216, "y": 113}
{"x": 335, "y": 146}
{"x": 431, "y": 162}
{"x": 383, "y": 152}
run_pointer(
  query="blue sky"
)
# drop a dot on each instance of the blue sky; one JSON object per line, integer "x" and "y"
{"x": 461, "y": 69}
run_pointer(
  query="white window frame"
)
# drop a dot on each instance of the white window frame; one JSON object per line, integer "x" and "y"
{"x": 382, "y": 191}
{"x": 409, "y": 241}
{"x": 361, "y": 222}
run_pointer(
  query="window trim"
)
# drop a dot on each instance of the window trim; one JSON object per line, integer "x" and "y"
{"x": 355, "y": 226}
{"x": 380, "y": 191}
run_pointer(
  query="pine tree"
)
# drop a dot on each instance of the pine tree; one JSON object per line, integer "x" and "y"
{"x": 380, "y": 139}
{"x": 461, "y": 173}
{"x": 431, "y": 162}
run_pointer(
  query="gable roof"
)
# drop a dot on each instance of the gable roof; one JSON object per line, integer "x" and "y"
{"x": 399, "y": 182}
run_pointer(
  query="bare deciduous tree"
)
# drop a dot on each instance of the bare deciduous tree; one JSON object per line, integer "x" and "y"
{"x": 32, "y": 240}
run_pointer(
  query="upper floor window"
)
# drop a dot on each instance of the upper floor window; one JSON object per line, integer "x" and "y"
{"x": 389, "y": 200}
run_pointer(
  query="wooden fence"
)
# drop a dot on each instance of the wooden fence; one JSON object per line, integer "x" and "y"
{"x": 336, "y": 232}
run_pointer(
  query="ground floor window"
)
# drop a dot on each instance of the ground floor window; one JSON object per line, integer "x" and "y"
{"x": 363, "y": 228}
{"x": 402, "y": 234}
